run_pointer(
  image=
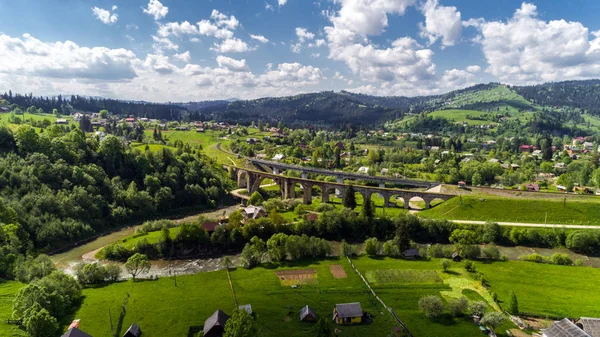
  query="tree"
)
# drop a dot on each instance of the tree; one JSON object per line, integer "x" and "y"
{"x": 372, "y": 246}
{"x": 323, "y": 328}
{"x": 431, "y": 306}
{"x": 337, "y": 157}
{"x": 226, "y": 262}
{"x": 39, "y": 323}
{"x": 445, "y": 263}
{"x": 491, "y": 251}
{"x": 255, "y": 199}
{"x": 276, "y": 246}
{"x": 350, "y": 198}
{"x": 113, "y": 272}
{"x": 241, "y": 324}
{"x": 513, "y": 304}
{"x": 457, "y": 306}
{"x": 137, "y": 264}
{"x": 493, "y": 319}
{"x": 103, "y": 114}
{"x": 477, "y": 180}
{"x": 478, "y": 308}
{"x": 368, "y": 207}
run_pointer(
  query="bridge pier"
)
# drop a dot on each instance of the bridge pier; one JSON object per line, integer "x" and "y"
{"x": 324, "y": 194}
{"x": 307, "y": 194}
{"x": 275, "y": 170}
{"x": 304, "y": 175}
{"x": 381, "y": 185}
{"x": 339, "y": 180}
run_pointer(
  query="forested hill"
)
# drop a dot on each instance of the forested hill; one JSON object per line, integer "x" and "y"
{"x": 580, "y": 94}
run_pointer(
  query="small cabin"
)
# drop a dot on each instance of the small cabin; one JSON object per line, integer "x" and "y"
{"x": 214, "y": 326}
{"x": 462, "y": 184}
{"x": 307, "y": 314}
{"x": 456, "y": 257}
{"x": 133, "y": 331}
{"x": 348, "y": 313}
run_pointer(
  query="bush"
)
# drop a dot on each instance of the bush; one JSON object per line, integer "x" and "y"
{"x": 470, "y": 267}
{"x": 504, "y": 257}
{"x": 457, "y": 306}
{"x": 579, "y": 262}
{"x": 92, "y": 273}
{"x": 391, "y": 249}
{"x": 431, "y": 306}
{"x": 445, "y": 263}
{"x": 471, "y": 252}
{"x": 372, "y": 246}
{"x": 435, "y": 251}
{"x": 561, "y": 259}
{"x": 153, "y": 226}
{"x": 478, "y": 308}
{"x": 491, "y": 252}
{"x": 532, "y": 258}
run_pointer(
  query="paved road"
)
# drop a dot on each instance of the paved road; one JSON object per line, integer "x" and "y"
{"x": 524, "y": 224}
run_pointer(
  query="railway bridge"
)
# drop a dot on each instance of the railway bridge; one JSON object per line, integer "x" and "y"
{"x": 252, "y": 179}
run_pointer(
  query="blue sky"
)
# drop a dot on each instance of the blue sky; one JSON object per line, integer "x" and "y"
{"x": 176, "y": 50}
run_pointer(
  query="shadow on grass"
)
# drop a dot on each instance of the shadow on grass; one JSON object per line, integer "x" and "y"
{"x": 451, "y": 272}
{"x": 307, "y": 262}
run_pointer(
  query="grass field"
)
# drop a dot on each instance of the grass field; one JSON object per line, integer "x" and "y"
{"x": 521, "y": 210}
{"x": 8, "y": 290}
{"x": 460, "y": 116}
{"x": 546, "y": 289}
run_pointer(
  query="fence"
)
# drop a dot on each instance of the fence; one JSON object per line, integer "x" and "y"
{"x": 392, "y": 312}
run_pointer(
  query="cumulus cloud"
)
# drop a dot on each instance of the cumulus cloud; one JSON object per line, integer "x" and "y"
{"x": 525, "y": 49}
{"x": 303, "y": 37}
{"x": 161, "y": 43}
{"x": 156, "y": 9}
{"x": 105, "y": 16}
{"x": 32, "y": 57}
{"x": 292, "y": 74}
{"x": 232, "y": 64}
{"x": 304, "y": 34}
{"x": 259, "y": 38}
{"x": 219, "y": 25}
{"x": 222, "y": 20}
{"x": 367, "y": 17}
{"x": 185, "y": 57}
{"x": 233, "y": 45}
{"x": 441, "y": 22}
{"x": 282, "y": 2}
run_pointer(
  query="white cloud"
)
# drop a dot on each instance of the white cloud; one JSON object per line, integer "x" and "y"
{"x": 32, "y": 57}
{"x": 185, "y": 57}
{"x": 259, "y": 38}
{"x": 163, "y": 43}
{"x": 473, "y": 69}
{"x": 304, "y": 34}
{"x": 403, "y": 61}
{"x": 156, "y": 9}
{"x": 159, "y": 64}
{"x": 219, "y": 25}
{"x": 525, "y": 49}
{"x": 105, "y": 16}
{"x": 268, "y": 6}
{"x": 232, "y": 64}
{"x": 114, "y": 8}
{"x": 440, "y": 22}
{"x": 222, "y": 20}
{"x": 292, "y": 74}
{"x": 282, "y": 2}
{"x": 233, "y": 45}
{"x": 132, "y": 26}
{"x": 129, "y": 37}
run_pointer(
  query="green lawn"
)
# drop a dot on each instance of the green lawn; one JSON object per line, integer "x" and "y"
{"x": 8, "y": 290}
{"x": 518, "y": 210}
{"x": 546, "y": 289}
{"x": 460, "y": 116}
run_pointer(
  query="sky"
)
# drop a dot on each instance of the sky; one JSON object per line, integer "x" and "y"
{"x": 192, "y": 50}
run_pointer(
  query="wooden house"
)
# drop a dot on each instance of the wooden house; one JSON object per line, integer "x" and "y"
{"x": 214, "y": 326}
{"x": 307, "y": 314}
{"x": 348, "y": 313}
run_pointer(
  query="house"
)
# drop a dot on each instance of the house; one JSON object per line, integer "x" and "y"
{"x": 363, "y": 169}
{"x": 4, "y": 109}
{"x": 261, "y": 156}
{"x": 74, "y": 332}
{"x": 182, "y": 128}
{"x": 526, "y": 148}
{"x": 533, "y": 187}
{"x": 133, "y": 331}
{"x": 253, "y": 212}
{"x": 462, "y": 184}
{"x": 588, "y": 145}
{"x": 493, "y": 161}
{"x": 246, "y": 307}
{"x": 384, "y": 171}
{"x": 252, "y": 141}
{"x": 564, "y": 328}
{"x": 130, "y": 120}
{"x": 200, "y": 130}
{"x": 278, "y": 157}
{"x": 578, "y": 140}
{"x": 214, "y": 326}
{"x": 411, "y": 253}
{"x": 348, "y": 313}
{"x": 456, "y": 257}
{"x": 561, "y": 188}
{"x": 210, "y": 226}
{"x": 590, "y": 325}
{"x": 514, "y": 166}
{"x": 536, "y": 153}
{"x": 307, "y": 314}
{"x": 61, "y": 121}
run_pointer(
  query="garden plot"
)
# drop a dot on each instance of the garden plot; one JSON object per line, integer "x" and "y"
{"x": 337, "y": 271}
{"x": 297, "y": 276}
{"x": 403, "y": 276}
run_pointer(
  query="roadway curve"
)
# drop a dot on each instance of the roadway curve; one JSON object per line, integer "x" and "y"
{"x": 524, "y": 224}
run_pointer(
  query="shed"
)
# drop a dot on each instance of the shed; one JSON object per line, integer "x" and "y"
{"x": 564, "y": 328}
{"x": 590, "y": 325}
{"x": 246, "y": 307}
{"x": 411, "y": 253}
{"x": 307, "y": 314}
{"x": 456, "y": 257}
{"x": 74, "y": 332}
{"x": 214, "y": 326}
{"x": 133, "y": 331}
{"x": 462, "y": 184}
{"x": 347, "y": 313}
{"x": 210, "y": 226}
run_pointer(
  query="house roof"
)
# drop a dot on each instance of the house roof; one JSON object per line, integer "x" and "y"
{"x": 564, "y": 328}
{"x": 217, "y": 319}
{"x": 134, "y": 331}
{"x": 349, "y": 310}
{"x": 411, "y": 252}
{"x": 307, "y": 312}
{"x": 74, "y": 332}
{"x": 210, "y": 226}
{"x": 591, "y": 326}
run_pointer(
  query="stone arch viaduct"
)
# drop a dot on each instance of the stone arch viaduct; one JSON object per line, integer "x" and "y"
{"x": 251, "y": 179}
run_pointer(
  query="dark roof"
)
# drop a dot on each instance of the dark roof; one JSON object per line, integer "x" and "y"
{"x": 349, "y": 310}
{"x": 133, "y": 331}
{"x": 307, "y": 312}
{"x": 591, "y": 326}
{"x": 210, "y": 226}
{"x": 74, "y": 332}
{"x": 564, "y": 328}
{"x": 218, "y": 319}
{"x": 455, "y": 254}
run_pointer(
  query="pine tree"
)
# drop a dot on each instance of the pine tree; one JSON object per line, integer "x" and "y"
{"x": 513, "y": 304}
{"x": 350, "y": 198}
